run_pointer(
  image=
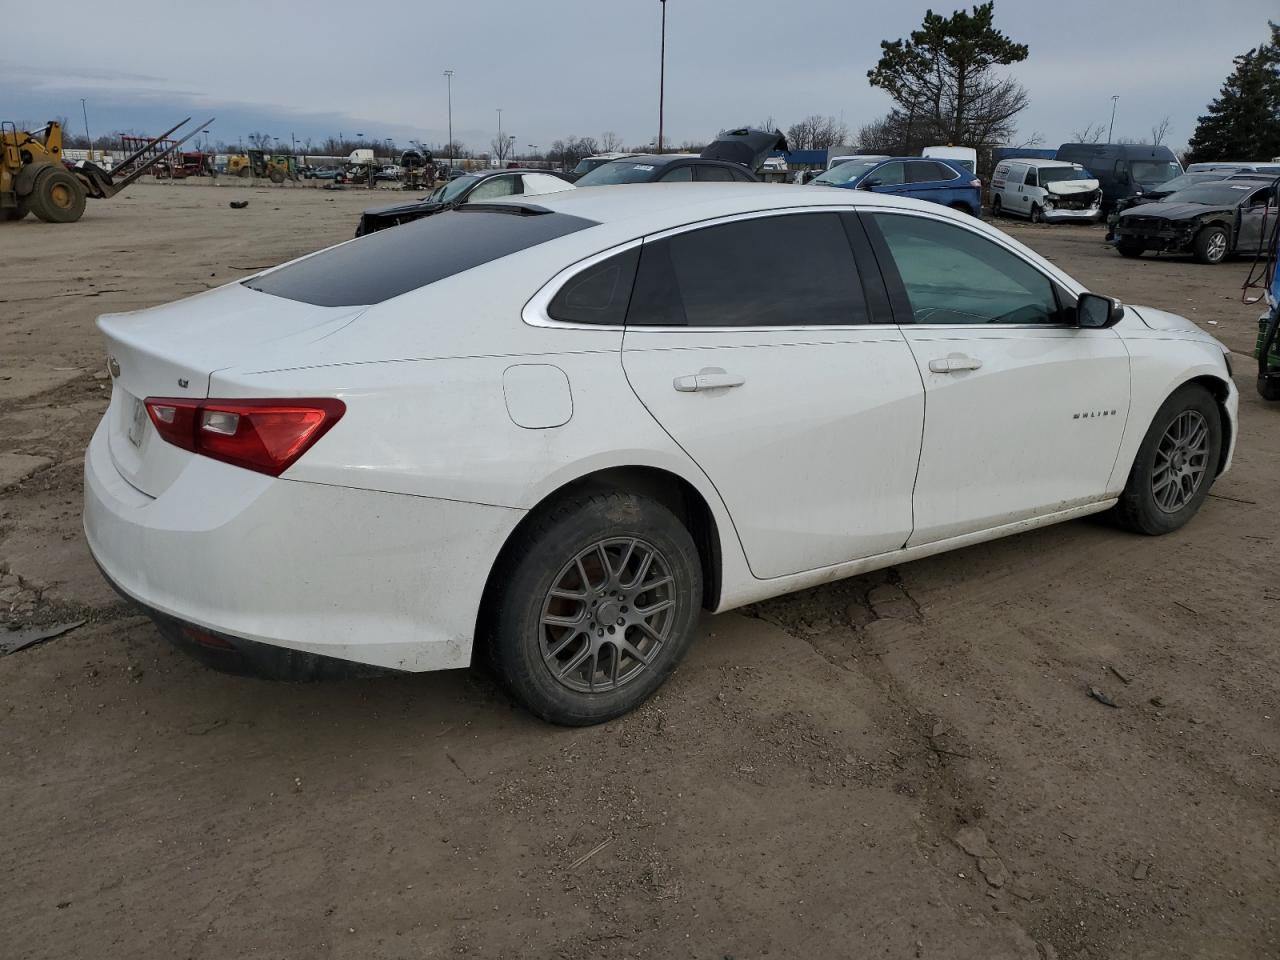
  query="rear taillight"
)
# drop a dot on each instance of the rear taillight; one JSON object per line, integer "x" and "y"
{"x": 975, "y": 182}
{"x": 263, "y": 435}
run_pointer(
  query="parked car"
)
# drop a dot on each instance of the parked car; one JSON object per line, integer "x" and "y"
{"x": 1123, "y": 170}
{"x": 962, "y": 158}
{"x": 845, "y": 158}
{"x": 388, "y": 171}
{"x": 665, "y": 168}
{"x": 436, "y": 443}
{"x": 1211, "y": 221}
{"x": 470, "y": 188}
{"x": 933, "y": 180}
{"x": 1189, "y": 179}
{"x": 1271, "y": 169}
{"x": 587, "y": 164}
{"x": 1050, "y": 190}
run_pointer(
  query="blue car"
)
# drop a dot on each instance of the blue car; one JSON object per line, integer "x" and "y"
{"x": 922, "y": 178}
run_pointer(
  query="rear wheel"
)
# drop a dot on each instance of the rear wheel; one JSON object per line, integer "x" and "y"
{"x": 1131, "y": 250}
{"x": 1210, "y": 245}
{"x": 244, "y": 172}
{"x": 57, "y": 197}
{"x": 599, "y": 601}
{"x": 14, "y": 213}
{"x": 996, "y": 209}
{"x": 1175, "y": 465}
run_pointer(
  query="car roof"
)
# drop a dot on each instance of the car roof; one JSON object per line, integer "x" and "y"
{"x": 1039, "y": 162}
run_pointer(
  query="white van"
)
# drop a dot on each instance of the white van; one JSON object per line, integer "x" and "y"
{"x": 966, "y": 157}
{"x": 1048, "y": 190}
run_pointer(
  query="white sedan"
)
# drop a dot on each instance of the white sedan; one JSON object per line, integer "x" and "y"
{"x": 552, "y": 430}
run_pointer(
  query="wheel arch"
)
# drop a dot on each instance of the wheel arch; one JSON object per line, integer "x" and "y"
{"x": 668, "y": 488}
{"x": 1220, "y": 391}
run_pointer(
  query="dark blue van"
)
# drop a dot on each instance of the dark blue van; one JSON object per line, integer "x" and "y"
{"x": 1123, "y": 170}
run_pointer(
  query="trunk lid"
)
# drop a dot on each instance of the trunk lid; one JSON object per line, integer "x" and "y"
{"x": 174, "y": 349}
{"x": 746, "y": 146}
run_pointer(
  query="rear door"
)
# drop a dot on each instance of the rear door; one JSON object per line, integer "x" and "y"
{"x": 929, "y": 180}
{"x": 1024, "y": 410}
{"x": 747, "y": 339}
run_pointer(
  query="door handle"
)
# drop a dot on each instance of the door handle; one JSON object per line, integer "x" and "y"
{"x": 954, "y": 364}
{"x": 708, "y": 378}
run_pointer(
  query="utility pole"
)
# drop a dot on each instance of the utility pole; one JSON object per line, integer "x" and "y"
{"x": 1112, "y": 128}
{"x": 662, "y": 73}
{"x": 85, "y": 111}
{"x": 500, "y": 140}
{"x": 448, "y": 78}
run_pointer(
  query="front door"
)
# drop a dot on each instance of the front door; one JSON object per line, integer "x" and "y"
{"x": 1024, "y": 411}
{"x": 748, "y": 341}
{"x": 1256, "y": 213}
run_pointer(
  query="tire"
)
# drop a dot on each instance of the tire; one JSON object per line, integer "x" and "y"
{"x": 276, "y": 176}
{"x": 1211, "y": 245}
{"x": 244, "y": 172}
{"x": 1131, "y": 250}
{"x": 1152, "y": 507}
{"x": 57, "y": 197}
{"x": 1036, "y": 215}
{"x": 561, "y": 550}
{"x": 996, "y": 209}
{"x": 13, "y": 214}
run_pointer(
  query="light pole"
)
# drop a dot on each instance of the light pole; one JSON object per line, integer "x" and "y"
{"x": 85, "y": 111}
{"x": 448, "y": 79}
{"x": 1112, "y": 128}
{"x": 500, "y": 140}
{"x": 294, "y": 137}
{"x": 662, "y": 72}
{"x": 390, "y": 150}
{"x": 511, "y": 146}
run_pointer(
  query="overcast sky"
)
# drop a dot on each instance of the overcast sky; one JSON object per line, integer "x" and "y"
{"x": 561, "y": 67}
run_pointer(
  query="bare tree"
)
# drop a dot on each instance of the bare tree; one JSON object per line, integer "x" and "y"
{"x": 259, "y": 141}
{"x": 1092, "y": 133}
{"x": 1034, "y": 140}
{"x": 501, "y": 147}
{"x": 610, "y": 142}
{"x": 816, "y": 132}
{"x": 1160, "y": 130}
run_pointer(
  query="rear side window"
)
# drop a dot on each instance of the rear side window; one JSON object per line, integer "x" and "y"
{"x": 598, "y": 294}
{"x": 390, "y": 262}
{"x": 710, "y": 174}
{"x": 792, "y": 270}
{"x": 679, "y": 173}
{"x": 926, "y": 171}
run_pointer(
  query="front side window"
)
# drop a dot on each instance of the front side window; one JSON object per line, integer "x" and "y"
{"x": 781, "y": 271}
{"x": 494, "y": 188}
{"x": 888, "y": 174}
{"x": 1031, "y": 180}
{"x": 956, "y": 276}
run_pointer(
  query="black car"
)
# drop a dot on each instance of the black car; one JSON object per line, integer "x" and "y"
{"x": 469, "y": 188}
{"x": 665, "y": 168}
{"x": 1210, "y": 221}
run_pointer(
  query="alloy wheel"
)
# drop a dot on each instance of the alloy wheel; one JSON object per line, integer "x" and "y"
{"x": 1217, "y": 248}
{"x": 1181, "y": 461}
{"x": 609, "y": 612}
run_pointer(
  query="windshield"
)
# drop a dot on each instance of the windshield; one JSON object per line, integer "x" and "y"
{"x": 1220, "y": 194}
{"x": 846, "y": 172}
{"x": 1154, "y": 171}
{"x": 619, "y": 171}
{"x": 1059, "y": 174}
{"x": 587, "y": 164}
{"x": 454, "y": 188}
{"x": 1188, "y": 180}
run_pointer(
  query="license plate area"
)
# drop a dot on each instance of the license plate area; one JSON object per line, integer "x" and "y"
{"x": 137, "y": 422}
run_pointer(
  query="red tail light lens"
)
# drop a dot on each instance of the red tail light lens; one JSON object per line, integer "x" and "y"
{"x": 975, "y": 182}
{"x": 263, "y": 435}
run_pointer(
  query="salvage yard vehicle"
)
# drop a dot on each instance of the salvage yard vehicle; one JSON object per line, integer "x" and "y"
{"x": 1123, "y": 170}
{"x": 471, "y": 188}
{"x": 548, "y": 431}
{"x": 666, "y": 168}
{"x": 1048, "y": 190}
{"x": 587, "y": 164}
{"x": 933, "y": 180}
{"x": 962, "y": 158}
{"x": 1229, "y": 166}
{"x": 1211, "y": 221}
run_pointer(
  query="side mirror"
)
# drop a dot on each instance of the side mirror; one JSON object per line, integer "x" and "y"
{"x": 1094, "y": 312}
{"x": 869, "y": 183}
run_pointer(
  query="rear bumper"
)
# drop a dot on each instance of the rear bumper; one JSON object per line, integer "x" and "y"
{"x": 383, "y": 579}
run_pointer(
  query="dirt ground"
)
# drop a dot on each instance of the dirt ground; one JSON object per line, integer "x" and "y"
{"x": 900, "y": 765}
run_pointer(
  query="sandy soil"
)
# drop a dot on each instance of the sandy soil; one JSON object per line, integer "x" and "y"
{"x": 900, "y": 765}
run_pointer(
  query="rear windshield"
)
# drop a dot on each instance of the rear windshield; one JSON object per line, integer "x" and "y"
{"x": 390, "y": 262}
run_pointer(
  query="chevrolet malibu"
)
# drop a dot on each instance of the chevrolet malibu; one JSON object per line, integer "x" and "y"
{"x": 547, "y": 432}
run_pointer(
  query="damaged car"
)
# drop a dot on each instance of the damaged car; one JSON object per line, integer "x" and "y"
{"x": 1045, "y": 190}
{"x": 1210, "y": 221}
{"x": 469, "y": 188}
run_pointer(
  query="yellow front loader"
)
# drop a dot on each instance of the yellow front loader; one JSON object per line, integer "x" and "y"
{"x": 34, "y": 178}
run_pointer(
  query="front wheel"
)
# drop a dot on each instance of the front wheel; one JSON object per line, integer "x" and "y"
{"x": 599, "y": 601}
{"x": 1131, "y": 250}
{"x": 1175, "y": 465}
{"x": 1210, "y": 245}
{"x": 1037, "y": 216}
{"x": 57, "y": 197}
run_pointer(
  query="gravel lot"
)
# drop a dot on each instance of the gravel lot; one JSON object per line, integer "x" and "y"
{"x": 904, "y": 765}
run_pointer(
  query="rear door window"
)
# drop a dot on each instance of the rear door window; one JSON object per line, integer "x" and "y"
{"x": 710, "y": 174}
{"x": 678, "y": 174}
{"x": 791, "y": 270}
{"x": 390, "y": 262}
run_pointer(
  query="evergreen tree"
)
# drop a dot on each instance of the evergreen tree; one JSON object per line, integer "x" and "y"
{"x": 1243, "y": 123}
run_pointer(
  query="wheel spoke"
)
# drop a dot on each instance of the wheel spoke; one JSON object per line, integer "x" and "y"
{"x": 564, "y": 642}
{"x": 655, "y": 608}
{"x": 575, "y": 662}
